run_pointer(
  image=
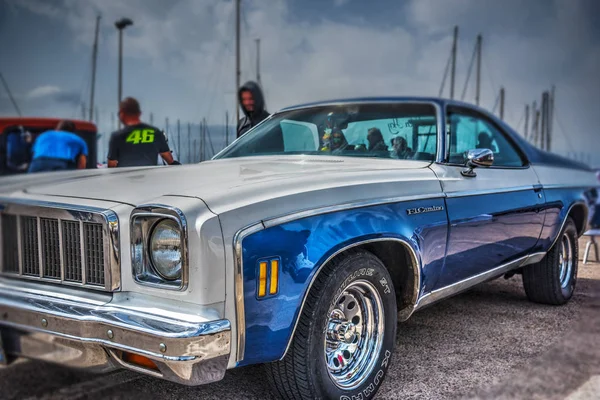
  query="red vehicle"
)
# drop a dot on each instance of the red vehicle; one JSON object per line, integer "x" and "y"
{"x": 17, "y": 135}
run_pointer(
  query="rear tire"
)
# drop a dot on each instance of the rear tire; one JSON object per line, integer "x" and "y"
{"x": 552, "y": 280}
{"x": 345, "y": 336}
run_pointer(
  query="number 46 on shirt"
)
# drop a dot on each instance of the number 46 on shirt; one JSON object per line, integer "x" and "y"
{"x": 137, "y": 136}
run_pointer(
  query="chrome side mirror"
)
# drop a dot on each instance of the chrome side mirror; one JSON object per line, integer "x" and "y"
{"x": 477, "y": 158}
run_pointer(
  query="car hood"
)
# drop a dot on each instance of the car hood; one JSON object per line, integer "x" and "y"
{"x": 222, "y": 184}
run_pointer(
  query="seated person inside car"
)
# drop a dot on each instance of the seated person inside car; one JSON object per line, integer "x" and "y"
{"x": 400, "y": 148}
{"x": 484, "y": 141}
{"x": 334, "y": 141}
{"x": 375, "y": 139}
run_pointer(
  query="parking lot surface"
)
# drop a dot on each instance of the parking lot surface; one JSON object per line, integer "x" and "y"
{"x": 489, "y": 342}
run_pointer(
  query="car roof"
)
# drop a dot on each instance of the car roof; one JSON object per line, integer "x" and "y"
{"x": 364, "y": 100}
{"x": 385, "y": 99}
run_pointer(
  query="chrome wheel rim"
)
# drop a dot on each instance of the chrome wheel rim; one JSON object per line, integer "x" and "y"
{"x": 565, "y": 260}
{"x": 354, "y": 334}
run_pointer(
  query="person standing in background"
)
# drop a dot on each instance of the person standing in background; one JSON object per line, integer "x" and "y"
{"x": 137, "y": 144}
{"x": 253, "y": 106}
{"x": 60, "y": 149}
{"x": 19, "y": 143}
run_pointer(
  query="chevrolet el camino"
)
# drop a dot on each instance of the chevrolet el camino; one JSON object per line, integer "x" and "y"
{"x": 301, "y": 246}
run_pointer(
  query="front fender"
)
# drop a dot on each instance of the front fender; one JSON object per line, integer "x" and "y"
{"x": 303, "y": 246}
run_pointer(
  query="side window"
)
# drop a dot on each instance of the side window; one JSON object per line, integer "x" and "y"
{"x": 300, "y": 137}
{"x": 467, "y": 132}
{"x": 427, "y": 139}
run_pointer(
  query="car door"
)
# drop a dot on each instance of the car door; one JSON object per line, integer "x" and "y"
{"x": 495, "y": 216}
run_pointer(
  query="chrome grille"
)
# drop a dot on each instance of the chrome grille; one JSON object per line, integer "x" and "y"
{"x": 29, "y": 246}
{"x": 50, "y": 248}
{"x": 10, "y": 244}
{"x": 72, "y": 251}
{"x": 67, "y": 246}
{"x": 94, "y": 253}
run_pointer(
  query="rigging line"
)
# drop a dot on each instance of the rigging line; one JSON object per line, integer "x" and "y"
{"x": 212, "y": 83}
{"x": 213, "y": 95}
{"x": 496, "y": 103}
{"x": 84, "y": 80}
{"x": 217, "y": 65}
{"x": 445, "y": 75}
{"x": 10, "y": 96}
{"x": 491, "y": 81}
{"x": 463, "y": 58}
{"x": 562, "y": 130}
{"x": 520, "y": 121}
{"x": 247, "y": 49}
{"x": 508, "y": 111}
{"x": 216, "y": 82}
{"x": 469, "y": 73}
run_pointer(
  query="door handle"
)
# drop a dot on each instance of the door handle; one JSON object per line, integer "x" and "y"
{"x": 538, "y": 189}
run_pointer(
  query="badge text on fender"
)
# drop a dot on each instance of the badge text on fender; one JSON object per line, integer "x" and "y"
{"x": 421, "y": 210}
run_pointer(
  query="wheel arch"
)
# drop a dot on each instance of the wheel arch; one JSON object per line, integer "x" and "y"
{"x": 579, "y": 214}
{"x": 401, "y": 260}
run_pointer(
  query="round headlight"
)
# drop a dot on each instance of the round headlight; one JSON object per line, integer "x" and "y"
{"x": 165, "y": 249}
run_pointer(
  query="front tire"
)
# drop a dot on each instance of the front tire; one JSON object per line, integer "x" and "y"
{"x": 552, "y": 280}
{"x": 345, "y": 336}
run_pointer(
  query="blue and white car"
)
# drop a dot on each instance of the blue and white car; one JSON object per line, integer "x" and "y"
{"x": 300, "y": 246}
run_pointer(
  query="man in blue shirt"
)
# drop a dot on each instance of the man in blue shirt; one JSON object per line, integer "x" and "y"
{"x": 58, "y": 150}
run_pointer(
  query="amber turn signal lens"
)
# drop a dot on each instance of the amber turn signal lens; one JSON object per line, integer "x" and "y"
{"x": 274, "y": 277}
{"x": 262, "y": 279}
{"x": 141, "y": 361}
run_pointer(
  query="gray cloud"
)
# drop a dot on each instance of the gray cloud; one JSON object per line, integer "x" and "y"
{"x": 528, "y": 45}
{"x": 69, "y": 98}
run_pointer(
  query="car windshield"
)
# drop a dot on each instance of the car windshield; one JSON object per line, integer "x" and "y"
{"x": 384, "y": 130}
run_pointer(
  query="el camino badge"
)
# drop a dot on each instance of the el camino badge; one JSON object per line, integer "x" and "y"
{"x": 421, "y": 210}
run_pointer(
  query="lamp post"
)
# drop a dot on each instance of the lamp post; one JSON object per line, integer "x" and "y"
{"x": 120, "y": 25}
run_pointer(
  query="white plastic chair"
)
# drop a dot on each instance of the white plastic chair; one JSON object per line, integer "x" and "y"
{"x": 592, "y": 233}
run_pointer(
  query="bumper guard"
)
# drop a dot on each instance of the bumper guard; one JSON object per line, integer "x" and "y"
{"x": 94, "y": 335}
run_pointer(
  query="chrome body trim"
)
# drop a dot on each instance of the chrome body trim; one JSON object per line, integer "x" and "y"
{"x": 467, "y": 193}
{"x": 465, "y": 284}
{"x": 563, "y": 186}
{"x": 57, "y": 350}
{"x": 441, "y": 133}
{"x": 562, "y": 225}
{"x": 270, "y": 222}
{"x": 68, "y": 212}
{"x": 239, "y": 287}
{"x": 141, "y": 221}
{"x": 534, "y": 258}
{"x": 416, "y": 264}
{"x": 186, "y": 351}
{"x": 112, "y": 222}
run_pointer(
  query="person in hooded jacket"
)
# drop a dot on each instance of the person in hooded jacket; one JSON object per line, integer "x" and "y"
{"x": 253, "y": 105}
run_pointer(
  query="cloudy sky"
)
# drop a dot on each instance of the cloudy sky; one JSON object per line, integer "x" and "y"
{"x": 179, "y": 55}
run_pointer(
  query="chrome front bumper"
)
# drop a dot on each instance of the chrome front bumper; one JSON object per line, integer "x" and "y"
{"x": 94, "y": 335}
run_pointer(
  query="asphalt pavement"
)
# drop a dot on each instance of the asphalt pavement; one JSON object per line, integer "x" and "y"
{"x": 487, "y": 343}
